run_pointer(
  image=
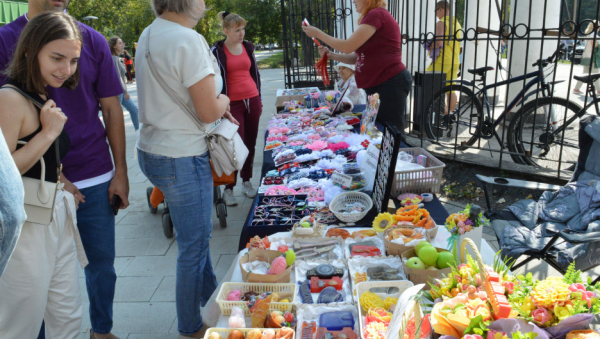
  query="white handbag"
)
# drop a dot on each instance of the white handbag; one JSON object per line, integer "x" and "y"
{"x": 39, "y": 193}
{"x": 225, "y": 146}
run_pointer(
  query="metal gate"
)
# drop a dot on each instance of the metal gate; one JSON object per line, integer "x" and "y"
{"x": 334, "y": 17}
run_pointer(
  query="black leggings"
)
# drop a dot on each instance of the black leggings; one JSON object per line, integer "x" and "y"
{"x": 393, "y": 94}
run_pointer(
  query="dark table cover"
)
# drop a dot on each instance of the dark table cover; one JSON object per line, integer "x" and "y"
{"x": 435, "y": 207}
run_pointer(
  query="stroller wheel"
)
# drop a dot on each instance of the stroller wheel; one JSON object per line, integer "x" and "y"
{"x": 153, "y": 210}
{"x": 167, "y": 224}
{"x": 222, "y": 214}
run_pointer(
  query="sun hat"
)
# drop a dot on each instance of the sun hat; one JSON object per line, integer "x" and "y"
{"x": 337, "y": 66}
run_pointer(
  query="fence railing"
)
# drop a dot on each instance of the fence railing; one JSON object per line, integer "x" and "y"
{"x": 519, "y": 106}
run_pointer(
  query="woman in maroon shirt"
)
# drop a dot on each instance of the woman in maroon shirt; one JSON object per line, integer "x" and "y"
{"x": 375, "y": 48}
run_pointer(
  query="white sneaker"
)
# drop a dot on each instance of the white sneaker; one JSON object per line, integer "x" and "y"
{"x": 248, "y": 190}
{"x": 230, "y": 199}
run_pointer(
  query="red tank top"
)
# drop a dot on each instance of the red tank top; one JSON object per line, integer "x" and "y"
{"x": 240, "y": 84}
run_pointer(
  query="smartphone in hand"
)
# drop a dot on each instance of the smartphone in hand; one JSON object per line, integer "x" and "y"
{"x": 116, "y": 203}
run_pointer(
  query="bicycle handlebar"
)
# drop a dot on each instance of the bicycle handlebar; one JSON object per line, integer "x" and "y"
{"x": 550, "y": 60}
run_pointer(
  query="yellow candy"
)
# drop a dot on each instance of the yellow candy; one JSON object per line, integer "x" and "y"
{"x": 389, "y": 301}
{"x": 370, "y": 300}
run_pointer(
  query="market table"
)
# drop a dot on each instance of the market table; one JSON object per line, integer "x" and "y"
{"x": 212, "y": 314}
{"x": 435, "y": 207}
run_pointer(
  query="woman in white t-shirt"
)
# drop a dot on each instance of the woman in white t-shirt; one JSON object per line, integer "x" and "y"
{"x": 172, "y": 151}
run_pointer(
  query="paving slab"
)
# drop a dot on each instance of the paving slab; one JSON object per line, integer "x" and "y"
{"x": 143, "y": 246}
{"x": 136, "y": 289}
{"x": 165, "y": 291}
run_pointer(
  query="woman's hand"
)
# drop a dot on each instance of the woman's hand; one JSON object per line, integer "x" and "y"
{"x": 53, "y": 119}
{"x": 323, "y": 50}
{"x": 69, "y": 187}
{"x": 228, "y": 115}
{"x": 311, "y": 31}
{"x": 127, "y": 96}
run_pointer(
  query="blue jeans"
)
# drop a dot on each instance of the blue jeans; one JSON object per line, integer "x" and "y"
{"x": 96, "y": 223}
{"x": 187, "y": 184}
{"x": 132, "y": 109}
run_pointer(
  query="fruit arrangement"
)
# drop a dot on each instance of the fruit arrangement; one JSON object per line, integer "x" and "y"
{"x": 463, "y": 222}
{"x": 454, "y": 316}
{"x": 419, "y": 217}
{"x": 429, "y": 258}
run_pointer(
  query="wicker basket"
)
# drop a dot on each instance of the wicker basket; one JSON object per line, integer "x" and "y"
{"x": 426, "y": 180}
{"x": 227, "y": 287}
{"x": 224, "y": 332}
{"x": 349, "y": 198}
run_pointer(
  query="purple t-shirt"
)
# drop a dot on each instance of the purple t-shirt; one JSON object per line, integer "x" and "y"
{"x": 89, "y": 156}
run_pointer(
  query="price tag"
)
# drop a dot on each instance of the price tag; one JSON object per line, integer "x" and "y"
{"x": 341, "y": 179}
{"x": 372, "y": 156}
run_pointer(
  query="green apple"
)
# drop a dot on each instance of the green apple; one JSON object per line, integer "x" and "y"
{"x": 415, "y": 262}
{"x": 445, "y": 259}
{"x": 429, "y": 255}
{"x": 432, "y": 268}
{"x": 421, "y": 245}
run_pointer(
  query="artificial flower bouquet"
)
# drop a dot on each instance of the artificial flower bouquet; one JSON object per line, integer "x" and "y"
{"x": 466, "y": 224}
{"x": 557, "y": 304}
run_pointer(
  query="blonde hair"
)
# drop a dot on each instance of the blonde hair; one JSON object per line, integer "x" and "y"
{"x": 371, "y": 4}
{"x": 230, "y": 20}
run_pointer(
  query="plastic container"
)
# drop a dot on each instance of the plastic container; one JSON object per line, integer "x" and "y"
{"x": 224, "y": 332}
{"x": 226, "y": 305}
{"x": 379, "y": 288}
{"x": 423, "y": 180}
{"x": 358, "y": 178}
{"x": 336, "y": 321}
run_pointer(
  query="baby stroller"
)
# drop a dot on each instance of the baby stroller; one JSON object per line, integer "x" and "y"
{"x": 218, "y": 200}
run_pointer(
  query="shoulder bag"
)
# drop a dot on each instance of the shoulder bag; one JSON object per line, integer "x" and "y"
{"x": 39, "y": 193}
{"x": 225, "y": 146}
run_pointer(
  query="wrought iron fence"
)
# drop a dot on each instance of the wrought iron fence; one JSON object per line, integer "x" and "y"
{"x": 334, "y": 17}
{"x": 509, "y": 99}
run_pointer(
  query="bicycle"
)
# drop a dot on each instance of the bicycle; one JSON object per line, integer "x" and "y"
{"x": 468, "y": 115}
{"x": 541, "y": 139}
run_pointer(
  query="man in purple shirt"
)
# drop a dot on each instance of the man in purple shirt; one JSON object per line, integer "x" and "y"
{"x": 88, "y": 164}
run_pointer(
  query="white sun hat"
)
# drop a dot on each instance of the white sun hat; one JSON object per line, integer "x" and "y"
{"x": 337, "y": 66}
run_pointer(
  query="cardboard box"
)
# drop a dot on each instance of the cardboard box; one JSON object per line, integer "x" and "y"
{"x": 420, "y": 276}
{"x": 266, "y": 256}
{"x": 392, "y": 248}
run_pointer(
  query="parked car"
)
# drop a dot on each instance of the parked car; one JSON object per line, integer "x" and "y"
{"x": 567, "y": 47}
{"x": 578, "y": 52}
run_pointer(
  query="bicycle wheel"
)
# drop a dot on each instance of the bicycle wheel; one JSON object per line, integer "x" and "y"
{"x": 533, "y": 133}
{"x": 463, "y": 121}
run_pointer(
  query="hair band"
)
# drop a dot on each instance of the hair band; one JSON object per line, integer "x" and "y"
{"x": 225, "y": 14}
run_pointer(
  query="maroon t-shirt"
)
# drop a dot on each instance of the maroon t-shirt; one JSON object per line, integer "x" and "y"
{"x": 380, "y": 58}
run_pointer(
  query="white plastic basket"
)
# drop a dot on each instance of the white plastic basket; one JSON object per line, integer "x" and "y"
{"x": 226, "y": 305}
{"x": 366, "y": 286}
{"x": 349, "y": 198}
{"x": 425, "y": 180}
{"x": 224, "y": 332}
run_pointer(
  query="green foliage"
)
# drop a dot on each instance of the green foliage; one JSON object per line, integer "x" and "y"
{"x": 502, "y": 266}
{"x": 128, "y": 18}
{"x": 572, "y": 276}
{"x": 519, "y": 335}
{"x": 477, "y": 326}
{"x": 273, "y": 61}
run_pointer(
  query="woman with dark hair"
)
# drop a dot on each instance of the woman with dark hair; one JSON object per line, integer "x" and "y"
{"x": 242, "y": 86}
{"x": 375, "y": 48}
{"x": 41, "y": 279}
{"x": 172, "y": 149}
{"x": 116, "y": 48}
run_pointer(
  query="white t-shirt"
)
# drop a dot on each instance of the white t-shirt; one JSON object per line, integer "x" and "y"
{"x": 182, "y": 57}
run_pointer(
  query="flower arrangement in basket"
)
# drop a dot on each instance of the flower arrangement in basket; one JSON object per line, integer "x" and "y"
{"x": 557, "y": 304}
{"x": 464, "y": 224}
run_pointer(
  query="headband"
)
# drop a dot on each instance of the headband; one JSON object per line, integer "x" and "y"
{"x": 225, "y": 14}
